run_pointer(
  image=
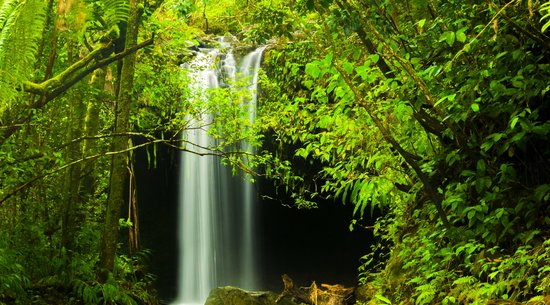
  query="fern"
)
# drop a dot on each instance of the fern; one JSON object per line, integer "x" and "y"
{"x": 9, "y": 12}
{"x": 6, "y": 9}
{"x": 21, "y": 24}
{"x": 20, "y": 36}
{"x": 12, "y": 276}
{"x": 109, "y": 15}
{"x": 95, "y": 293}
{"x": 116, "y": 12}
{"x": 545, "y": 10}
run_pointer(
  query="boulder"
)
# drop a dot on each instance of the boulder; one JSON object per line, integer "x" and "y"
{"x": 229, "y": 295}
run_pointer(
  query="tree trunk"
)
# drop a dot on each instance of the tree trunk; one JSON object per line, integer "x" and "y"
{"x": 72, "y": 200}
{"x": 91, "y": 128}
{"x": 119, "y": 166}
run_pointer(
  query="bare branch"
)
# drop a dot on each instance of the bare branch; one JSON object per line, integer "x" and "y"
{"x": 209, "y": 151}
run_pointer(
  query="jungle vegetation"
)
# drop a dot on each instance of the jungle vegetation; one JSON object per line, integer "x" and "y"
{"x": 431, "y": 113}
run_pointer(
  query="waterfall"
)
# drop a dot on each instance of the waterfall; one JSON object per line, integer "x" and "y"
{"x": 249, "y": 69}
{"x": 216, "y": 210}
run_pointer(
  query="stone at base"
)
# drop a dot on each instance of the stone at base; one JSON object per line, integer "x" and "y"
{"x": 236, "y": 296}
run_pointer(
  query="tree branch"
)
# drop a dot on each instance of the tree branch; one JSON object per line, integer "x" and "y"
{"x": 209, "y": 151}
{"x": 44, "y": 87}
{"x": 98, "y": 64}
{"x": 57, "y": 85}
{"x": 409, "y": 158}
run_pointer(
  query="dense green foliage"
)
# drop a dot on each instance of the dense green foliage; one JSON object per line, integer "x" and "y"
{"x": 59, "y": 94}
{"x": 73, "y": 98}
{"x": 432, "y": 113}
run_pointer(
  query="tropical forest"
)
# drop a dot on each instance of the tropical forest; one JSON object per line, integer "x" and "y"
{"x": 263, "y": 152}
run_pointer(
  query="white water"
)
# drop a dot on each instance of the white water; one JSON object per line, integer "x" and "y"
{"x": 216, "y": 214}
{"x": 249, "y": 69}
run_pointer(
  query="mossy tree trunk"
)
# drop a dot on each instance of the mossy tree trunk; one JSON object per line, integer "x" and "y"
{"x": 72, "y": 200}
{"x": 91, "y": 128}
{"x": 71, "y": 191}
{"x": 121, "y": 143}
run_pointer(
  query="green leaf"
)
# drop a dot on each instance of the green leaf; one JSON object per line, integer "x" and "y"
{"x": 545, "y": 7}
{"x": 383, "y": 299}
{"x": 313, "y": 70}
{"x": 464, "y": 280}
{"x": 421, "y": 23}
{"x": 374, "y": 58}
{"x": 348, "y": 67}
{"x": 481, "y": 166}
{"x": 514, "y": 122}
{"x": 542, "y": 192}
{"x": 475, "y": 107}
{"x": 461, "y": 37}
{"x": 328, "y": 60}
{"x": 448, "y": 97}
{"x": 448, "y": 37}
{"x": 362, "y": 71}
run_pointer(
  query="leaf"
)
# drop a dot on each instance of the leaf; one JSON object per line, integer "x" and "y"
{"x": 460, "y": 36}
{"x": 514, "y": 122}
{"x": 421, "y": 23}
{"x": 545, "y": 7}
{"x": 362, "y": 71}
{"x": 542, "y": 192}
{"x": 448, "y": 97}
{"x": 313, "y": 70}
{"x": 374, "y": 58}
{"x": 348, "y": 67}
{"x": 481, "y": 166}
{"x": 328, "y": 60}
{"x": 383, "y": 299}
{"x": 448, "y": 37}
{"x": 475, "y": 107}
{"x": 464, "y": 280}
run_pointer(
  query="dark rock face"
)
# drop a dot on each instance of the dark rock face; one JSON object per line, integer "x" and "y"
{"x": 235, "y": 296}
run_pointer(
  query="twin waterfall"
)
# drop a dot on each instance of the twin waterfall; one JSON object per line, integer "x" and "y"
{"x": 216, "y": 221}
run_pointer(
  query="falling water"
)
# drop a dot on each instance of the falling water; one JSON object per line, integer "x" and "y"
{"x": 216, "y": 214}
{"x": 249, "y": 69}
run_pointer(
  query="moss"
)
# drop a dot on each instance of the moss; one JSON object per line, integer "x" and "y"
{"x": 235, "y": 296}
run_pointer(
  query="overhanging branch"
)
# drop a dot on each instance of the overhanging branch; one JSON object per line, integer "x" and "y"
{"x": 208, "y": 151}
{"x": 57, "y": 85}
{"x": 98, "y": 64}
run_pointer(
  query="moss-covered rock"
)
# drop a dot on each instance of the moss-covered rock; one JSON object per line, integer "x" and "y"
{"x": 235, "y": 296}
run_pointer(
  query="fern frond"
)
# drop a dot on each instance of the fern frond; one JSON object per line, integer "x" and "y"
{"x": 9, "y": 13}
{"x": 21, "y": 29}
{"x": 545, "y": 11}
{"x": 116, "y": 12}
{"x": 109, "y": 14}
{"x": 6, "y": 10}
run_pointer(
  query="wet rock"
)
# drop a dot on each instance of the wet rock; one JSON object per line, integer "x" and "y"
{"x": 236, "y": 296}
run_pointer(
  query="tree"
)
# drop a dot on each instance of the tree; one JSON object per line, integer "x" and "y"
{"x": 414, "y": 109}
{"x": 119, "y": 166}
{"x": 52, "y": 123}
